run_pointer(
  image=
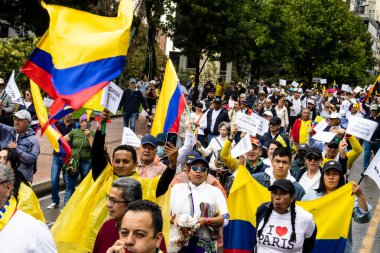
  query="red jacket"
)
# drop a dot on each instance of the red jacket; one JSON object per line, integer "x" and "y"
{"x": 295, "y": 133}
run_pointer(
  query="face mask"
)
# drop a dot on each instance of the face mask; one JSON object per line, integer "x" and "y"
{"x": 160, "y": 151}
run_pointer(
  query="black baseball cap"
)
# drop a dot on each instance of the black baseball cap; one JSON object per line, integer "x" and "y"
{"x": 200, "y": 159}
{"x": 302, "y": 146}
{"x": 283, "y": 184}
{"x": 335, "y": 140}
{"x": 218, "y": 100}
{"x": 275, "y": 120}
{"x": 332, "y": 165}
{"x": 314, "y": 151}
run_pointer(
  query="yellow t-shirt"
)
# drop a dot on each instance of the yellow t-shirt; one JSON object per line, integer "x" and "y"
{"x": 304, "y": 129}
{"x": 218, "y": 90}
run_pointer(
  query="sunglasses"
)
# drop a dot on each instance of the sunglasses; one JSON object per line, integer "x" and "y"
{"x": 313, "y": 158}
{"x": 202, "y": 169}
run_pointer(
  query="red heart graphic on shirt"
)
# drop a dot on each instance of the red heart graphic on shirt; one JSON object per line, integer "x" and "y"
{"x": 281, "y": 231}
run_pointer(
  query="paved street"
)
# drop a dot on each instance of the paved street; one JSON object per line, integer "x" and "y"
{"x": 114, "y": 138}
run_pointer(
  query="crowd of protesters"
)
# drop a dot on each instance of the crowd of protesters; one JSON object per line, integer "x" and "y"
{"x": 200, "y": 169}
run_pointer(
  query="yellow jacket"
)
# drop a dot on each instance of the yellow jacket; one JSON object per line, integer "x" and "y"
{"x": 225, "y": 154}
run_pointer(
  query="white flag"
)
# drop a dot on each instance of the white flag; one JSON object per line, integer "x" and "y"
{"x": 130, "y": 138}
{"x": 373, "y": 170}
{"x": 243, "y": 146}
{"x": 11, "y": 89}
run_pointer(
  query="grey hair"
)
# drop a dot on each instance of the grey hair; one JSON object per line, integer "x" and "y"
{"x": 226, "y": 125}
{"x": 6, "y": 174}
{"x": 130, "y": 188}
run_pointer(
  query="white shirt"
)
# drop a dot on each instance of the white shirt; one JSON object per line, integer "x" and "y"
{"x": 269, "y": 172}
{"x": 24, "y": 234}
{"x": 309, "y": 183}
{"x": 277, "y": 231}
{"x": 214, "y": 115}
{"x": 345, "y": 105}
{"x": 180, "y": 199}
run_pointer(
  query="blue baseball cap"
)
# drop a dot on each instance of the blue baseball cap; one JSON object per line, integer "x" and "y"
{"x": 149, "y": 139}
{"x": 192, "y": 155}
{"x": 132, "y": 80}
{"x": 199, "y": 159}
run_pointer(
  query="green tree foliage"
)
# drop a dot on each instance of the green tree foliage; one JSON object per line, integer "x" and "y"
{"x": 13, "y": 54}
{"x": 325, "y": 39}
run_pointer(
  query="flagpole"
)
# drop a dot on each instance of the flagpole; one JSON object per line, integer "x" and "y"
{"x": 361, "y": 179}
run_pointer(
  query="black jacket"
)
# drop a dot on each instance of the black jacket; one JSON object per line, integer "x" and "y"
{"x": 223, "y": 116}
{"x": 131, "y": 100}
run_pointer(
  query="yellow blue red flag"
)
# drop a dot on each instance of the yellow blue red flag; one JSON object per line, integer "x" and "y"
{"x": 171, "y": 103}
{"x": 87, "y": 51}
{"x": 329, "y": 212}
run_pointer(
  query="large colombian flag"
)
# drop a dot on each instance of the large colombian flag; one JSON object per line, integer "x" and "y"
{"x": 329, "y": 212}
{"x": 171, "y": 103}
{"x": 86, "y": 51}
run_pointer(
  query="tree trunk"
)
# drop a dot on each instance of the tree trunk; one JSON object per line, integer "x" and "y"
{"x": 150, "y": 62}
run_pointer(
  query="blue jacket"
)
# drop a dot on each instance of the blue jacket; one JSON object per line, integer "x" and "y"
{"x": 28, "y": 149}
{"x": 264, "y": 180}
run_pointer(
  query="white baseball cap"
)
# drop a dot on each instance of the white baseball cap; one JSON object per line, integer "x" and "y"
{"x": 335, "y": 115}
{"x": 1, "y": 80}
{"x": 268, "y": 113}
{"x": 23, "y": 114}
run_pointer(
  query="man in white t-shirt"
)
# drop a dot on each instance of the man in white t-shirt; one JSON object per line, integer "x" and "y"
{"x": 19, "y": 232}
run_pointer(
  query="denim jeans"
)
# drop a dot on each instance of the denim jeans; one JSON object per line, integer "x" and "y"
{"x": 71, "y": 180}
{"x": 130, "y": 117}
{"x": 56, "y": 167}
{"x": 368, "y": 147}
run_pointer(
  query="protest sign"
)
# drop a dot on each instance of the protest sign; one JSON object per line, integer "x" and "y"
{"x": 323, "y": 81}
{"x": 263, "y": 124}
{"x": 11, "y": 89}
{"x": 48, "y": 102}
{"x": 247, "y": 123}
{"x": 316, "y": 79}
{"x": 243, "y": 146}
{"x": 295, "y": 84}
{"x": 373, "y": 170}
{"x": 321, "y": 126}
{"x": 111, "y": 97}
{"x": 231, "y": 104}
{"x": 361, "y": 128}
{"x": 346, "y": 87}
{"x": 358, "y": 89}
{"x": 282, "y": 82}
{"x": 324, "y": 136}
{"x": 130, "y": 138}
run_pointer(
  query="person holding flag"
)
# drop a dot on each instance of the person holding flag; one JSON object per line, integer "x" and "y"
{"x": 332, "y": 178}
{"x": 7, "y": 107}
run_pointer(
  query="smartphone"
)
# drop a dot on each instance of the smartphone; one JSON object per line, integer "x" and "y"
{"x": 172, "y": 138}
{"x": 88, "y": 126}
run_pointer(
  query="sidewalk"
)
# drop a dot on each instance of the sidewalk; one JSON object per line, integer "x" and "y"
{"x": 113, "y": 139}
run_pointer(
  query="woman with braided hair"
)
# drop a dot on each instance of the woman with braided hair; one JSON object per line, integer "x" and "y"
{"x": 281, "y": 225}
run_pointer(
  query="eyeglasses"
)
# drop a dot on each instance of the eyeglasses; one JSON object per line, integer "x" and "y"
{"x": 313, "y": 158}
{"x": 3, "y": 182}
{"x": 114, "y": 201}
{"x": 202, "y": 169}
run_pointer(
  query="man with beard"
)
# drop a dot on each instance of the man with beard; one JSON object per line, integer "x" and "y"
{"x": 206, "y": 102}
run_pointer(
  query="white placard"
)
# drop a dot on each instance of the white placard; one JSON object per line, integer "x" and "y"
{"x": 321, "y": 126}
{"x": 263, "y": 124}
{"x": 358, "y": 89}
{"x": 111, "y": 97}
{"x": 323, "y": 81}
{"x": 243, "y": 146}
{"x": 231, "y": 104}
{"x": 130, "y": 138}
{"x": 361, "y": 128}
{"x": 346, "y": 87}
{"x": 295, "y": 84}
{"x": 48, "y": 102}
{"x": 247, "y": 123}
{"x": 373, "y": 170}
{"x": 324, "y": 137}
{"x": 282, "y": 82}
{"x": 12, "y": 90}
